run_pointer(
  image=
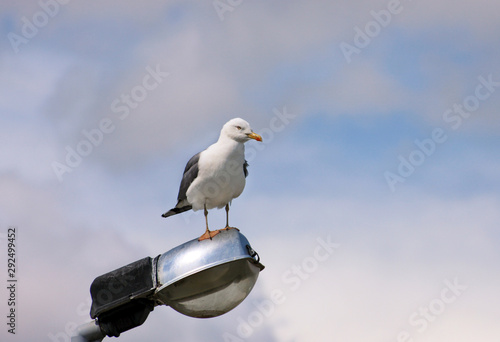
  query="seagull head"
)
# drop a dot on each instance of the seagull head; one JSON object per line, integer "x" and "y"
{"x": 239, "y": 130}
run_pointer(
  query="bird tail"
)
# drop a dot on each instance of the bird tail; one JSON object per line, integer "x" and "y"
{"x": 176, "y": 210}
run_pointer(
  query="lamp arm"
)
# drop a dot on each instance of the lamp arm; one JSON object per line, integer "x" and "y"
{"x": 88, "y": 332}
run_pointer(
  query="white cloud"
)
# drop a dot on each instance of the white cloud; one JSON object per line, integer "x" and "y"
{"x": 475, "y": 17}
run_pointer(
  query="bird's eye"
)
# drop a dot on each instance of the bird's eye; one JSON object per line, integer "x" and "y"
{"x": 238, "y": 128}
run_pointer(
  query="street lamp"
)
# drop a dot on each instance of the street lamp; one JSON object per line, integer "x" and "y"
{"x": 198, "y": 278}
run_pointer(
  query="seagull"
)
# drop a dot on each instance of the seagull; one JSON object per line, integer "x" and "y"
{"x": 214, "y": 177}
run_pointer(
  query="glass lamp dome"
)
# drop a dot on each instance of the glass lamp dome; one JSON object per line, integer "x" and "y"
{"x": 207, "y": 278}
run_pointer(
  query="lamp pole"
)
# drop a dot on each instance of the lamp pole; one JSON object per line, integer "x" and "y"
{"x": 88, "y": 332}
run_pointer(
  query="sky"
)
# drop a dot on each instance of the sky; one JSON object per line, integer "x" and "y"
{"x": 372, "y": 200}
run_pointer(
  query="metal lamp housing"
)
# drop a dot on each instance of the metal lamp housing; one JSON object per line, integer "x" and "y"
{"x": 207, "y": 278}
{"x": 198, "y": 278}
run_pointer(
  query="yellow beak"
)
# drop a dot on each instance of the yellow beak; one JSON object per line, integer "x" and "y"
{"x": 255, "y": 136}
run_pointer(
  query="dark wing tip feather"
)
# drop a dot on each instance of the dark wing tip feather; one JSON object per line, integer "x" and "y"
{"x": 175, "y": 211}
{"x": 245, "y": 168}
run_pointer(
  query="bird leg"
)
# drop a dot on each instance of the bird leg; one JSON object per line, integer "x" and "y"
{"x": 227, "y": 219}
{"x": 208, "y": 234}
{"x": 206, "y": 216}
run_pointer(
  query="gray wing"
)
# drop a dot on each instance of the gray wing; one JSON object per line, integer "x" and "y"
{"x": 190, "y": 174}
